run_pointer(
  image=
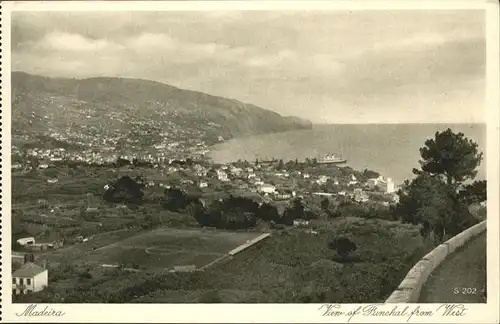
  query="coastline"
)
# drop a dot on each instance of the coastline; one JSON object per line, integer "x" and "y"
{"x": 395, "y": 155}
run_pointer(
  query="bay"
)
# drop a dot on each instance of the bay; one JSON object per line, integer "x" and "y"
{"x": 390, "y": 149}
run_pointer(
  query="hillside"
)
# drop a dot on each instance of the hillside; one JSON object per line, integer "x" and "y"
{"x": 107, "y": 108}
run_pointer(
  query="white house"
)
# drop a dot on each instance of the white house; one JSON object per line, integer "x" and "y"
{"x": 390, "y": 186}
{"x": 282, "y": 196}
{"x": 29, "y": 278}
{"x": 222, "y": 176}
{"x": 360, "y": 196}
{"x": 300, "y": 222}
{"x": 26, "y": 240}
{"x": 236, "y": 171}
{"x": 203, "y": 185}
{"x": 200, "y": 170}
{"x": 53, "y": 180}
{"x": 16, "y": 166}
{"x": 267, "y": 188}
{"x": 322, "y": 180}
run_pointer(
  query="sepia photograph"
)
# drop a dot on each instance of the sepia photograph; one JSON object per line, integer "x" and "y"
{"x": 248, "y": 157}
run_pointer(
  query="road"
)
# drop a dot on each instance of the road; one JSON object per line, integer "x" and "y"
{"x": 461, "y": 278}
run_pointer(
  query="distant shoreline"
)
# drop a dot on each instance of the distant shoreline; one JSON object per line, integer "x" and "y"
{"x": 390, "y": 149}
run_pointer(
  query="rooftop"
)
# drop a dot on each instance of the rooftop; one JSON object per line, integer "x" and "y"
{"x": 29, "y": 270}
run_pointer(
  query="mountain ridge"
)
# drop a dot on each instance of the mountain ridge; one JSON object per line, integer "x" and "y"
{"x": 42, "y": 102}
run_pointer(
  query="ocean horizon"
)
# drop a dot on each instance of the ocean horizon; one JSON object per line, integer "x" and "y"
{"x": 390, "y": 149}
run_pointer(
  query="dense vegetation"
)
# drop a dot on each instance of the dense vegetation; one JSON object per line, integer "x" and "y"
{"x": 291, "y": 267}
{"x": 338, "y": 258}
{"x": 438, "y": 198}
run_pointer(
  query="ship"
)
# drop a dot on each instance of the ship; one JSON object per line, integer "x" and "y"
{"x": 332, "y": 159}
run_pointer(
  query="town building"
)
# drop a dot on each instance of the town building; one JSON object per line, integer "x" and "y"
{"x": 26, "y": 240}
{"x": 222, "y": 176}
{"x": 391, "y": 187}
{"x": 282, "y": 196}
{"x": 360, "y": 196}
{"x": 322, "y": 180}
{"x": 29, "y": 278}
{"x": 300, "y": 222}
{"x": 267, "y": 188}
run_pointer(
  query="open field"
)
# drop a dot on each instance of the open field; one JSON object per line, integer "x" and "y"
{"x": 294, "y": 266}
{"x": 165, "y": 248}
{"x": 291, "y": 266}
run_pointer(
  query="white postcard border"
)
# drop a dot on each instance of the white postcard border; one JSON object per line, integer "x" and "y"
{"x": 246, "y": 313}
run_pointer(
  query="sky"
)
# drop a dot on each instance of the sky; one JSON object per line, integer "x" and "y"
{"x": 325, "y": 66}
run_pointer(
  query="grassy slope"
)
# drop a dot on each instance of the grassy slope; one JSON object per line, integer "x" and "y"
{"x": 63, "y": 101}
{"x": 279, "y": 269}
{"x": 290, "y": 267}
{"x": 285, "y": 267}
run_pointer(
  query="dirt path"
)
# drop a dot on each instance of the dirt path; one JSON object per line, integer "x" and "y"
{"x": 461, "y": 278}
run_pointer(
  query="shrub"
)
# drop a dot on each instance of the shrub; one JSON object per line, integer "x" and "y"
{"x": 210, "y": 297}
{"x": 343, "y": 246}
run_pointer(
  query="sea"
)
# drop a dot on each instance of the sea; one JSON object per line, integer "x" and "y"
{"x": 390, "y": 149}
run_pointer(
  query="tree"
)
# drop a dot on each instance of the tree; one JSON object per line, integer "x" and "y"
{"x": 450, "y": 155}
{"x": 121, "y": 162}
{"x": 197, "y": 211}
{"x": 433, "y": 203}
{"x": 325, "y": 204}
{"x": 175, "y": 199}
{"x": 151, "y": 220}
{"x": 85, "y": 275}
{"x": 125, "y": 190}
{"x": 231, "y": 213}
{"x": 369, "y": 174}
{"x": 293, "y": 212}
{"x": 281, "y": 165}
{"x": 343, "y": 246}
{"x": 474, "y": 193}
{"x": 268, "y": 212}
{"x": 34, "y": 162}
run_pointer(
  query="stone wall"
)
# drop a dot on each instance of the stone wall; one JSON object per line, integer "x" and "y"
{"x": 408, "y": 290}
{"x": 249, "y": 244}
